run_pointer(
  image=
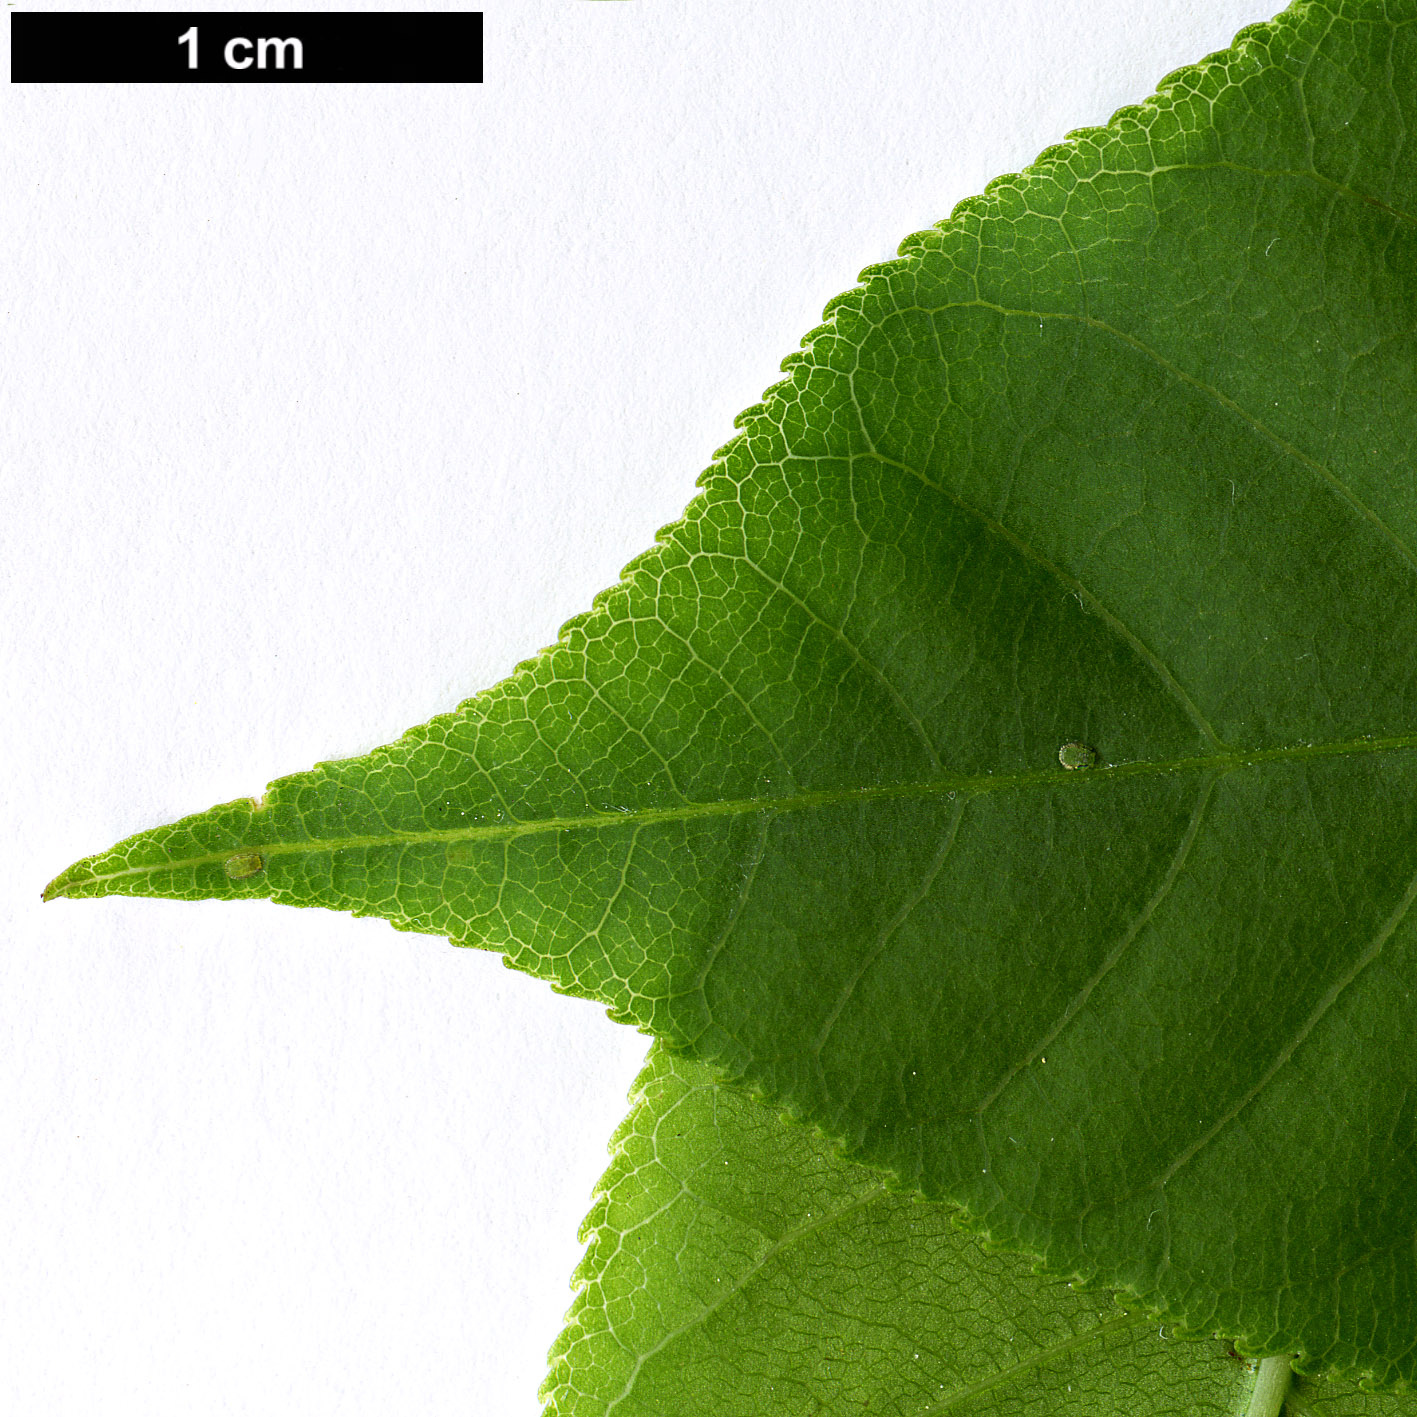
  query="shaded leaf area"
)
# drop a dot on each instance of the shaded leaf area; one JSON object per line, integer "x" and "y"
{"x": 1009, "y": 763}
{"x": 737, "y": 1266}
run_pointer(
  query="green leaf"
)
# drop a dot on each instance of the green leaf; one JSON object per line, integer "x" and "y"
{"x": 737, "y": 1266}
{"x": 1111, "y": 472}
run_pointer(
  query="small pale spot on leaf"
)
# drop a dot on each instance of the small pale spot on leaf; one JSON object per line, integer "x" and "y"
{"x": 1077, "y": 755}
{"x": 243, "y": 864}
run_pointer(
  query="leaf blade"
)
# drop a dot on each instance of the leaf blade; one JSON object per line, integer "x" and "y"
{"x": 736, "y": 1265}
{"x": 1020, "y": 491}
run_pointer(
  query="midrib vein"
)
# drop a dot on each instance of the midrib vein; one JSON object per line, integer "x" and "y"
{"x": 741, "y": 1282}
{"x": 944, "y": 785}
{"x": 1005, "y": 1374}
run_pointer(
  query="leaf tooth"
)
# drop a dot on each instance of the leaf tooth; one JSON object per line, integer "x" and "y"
{"x": 721, "y": 453}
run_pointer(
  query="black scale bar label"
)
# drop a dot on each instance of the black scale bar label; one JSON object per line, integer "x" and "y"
{"x": 283, "y": 47}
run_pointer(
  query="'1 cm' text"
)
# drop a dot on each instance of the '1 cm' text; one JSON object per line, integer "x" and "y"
{"x": 237, "y": 59}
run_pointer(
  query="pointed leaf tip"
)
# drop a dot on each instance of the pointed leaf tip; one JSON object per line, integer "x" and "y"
{"x": 221, "y": 853}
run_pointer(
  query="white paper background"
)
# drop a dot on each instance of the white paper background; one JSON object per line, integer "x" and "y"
{"x": 322, "y": 407}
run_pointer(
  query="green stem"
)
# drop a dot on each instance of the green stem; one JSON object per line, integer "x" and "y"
{"x": 1271, "y": 1385}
